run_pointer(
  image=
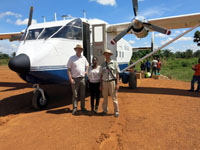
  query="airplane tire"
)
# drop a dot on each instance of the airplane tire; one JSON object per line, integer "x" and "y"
{"x": 132, "y": 80}
{"x": 38, "y": 102}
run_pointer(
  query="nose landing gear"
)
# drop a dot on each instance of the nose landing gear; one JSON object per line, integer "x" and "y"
{"x": 39, "y": 100}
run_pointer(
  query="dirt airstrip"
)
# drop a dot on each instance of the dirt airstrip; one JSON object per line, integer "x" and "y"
{"x": 159, "y": 114}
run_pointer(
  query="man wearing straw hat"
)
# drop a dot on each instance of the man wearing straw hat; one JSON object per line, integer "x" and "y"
{"x": 77, "y": 68}
{"x": 110, "y": 82}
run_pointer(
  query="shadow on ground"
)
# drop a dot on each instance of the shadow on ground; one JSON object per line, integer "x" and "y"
{"x": 59, "y": 95}
{"x": 163, "y": 91}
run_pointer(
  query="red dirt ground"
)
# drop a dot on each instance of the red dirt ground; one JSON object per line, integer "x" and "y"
{"x": 159, "y": 114}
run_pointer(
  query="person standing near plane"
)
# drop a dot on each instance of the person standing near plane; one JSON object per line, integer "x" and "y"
{"x": 158, "y": 66}
{"x": 77, "y": 69}
{"x": 196, "y": 77}
{"x": 148, "y": 65}
{"x": 94, "y": 83}
{"x": 154, "y": 66}
{"x": 110, "y": 82}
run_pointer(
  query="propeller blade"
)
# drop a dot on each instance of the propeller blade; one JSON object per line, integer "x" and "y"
{"x": 135, "y": 6}
{"x": 30, "y": 16}
{"x": 121, "y": 34}
{"x": 157, "y": 28}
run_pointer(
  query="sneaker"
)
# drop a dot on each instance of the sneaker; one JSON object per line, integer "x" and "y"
{"x": 74, "y": 112}
{"x": 196, "y": 90}
{"x": 116, "y": 114}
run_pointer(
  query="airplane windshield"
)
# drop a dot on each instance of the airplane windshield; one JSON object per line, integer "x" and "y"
{"x": 72, "y": 30}
{"x": 48, "y": 32}
{"x": 33, "y": 34}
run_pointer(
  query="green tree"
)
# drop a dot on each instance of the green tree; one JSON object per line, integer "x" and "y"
{"x": 167, "y": 53}
{"x": 4, "y": 56}
{"x": 178, "y": 54}
{"x": 188, "y": 53}
{"x": 197, "y": 37}
{"x": 197, "y": 53}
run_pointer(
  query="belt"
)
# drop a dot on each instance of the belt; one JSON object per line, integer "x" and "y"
{"x": 109, "y": 80}
{"x": 78, "y": 78}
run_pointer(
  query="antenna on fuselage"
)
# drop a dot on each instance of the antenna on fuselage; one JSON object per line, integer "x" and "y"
{"x": 64, "y": 17}
{"x": 44, "y": 18}
{"x": 84, "y": 14}
{"x": 55, "y": 17}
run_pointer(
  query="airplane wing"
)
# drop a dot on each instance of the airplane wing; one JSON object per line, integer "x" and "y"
{"x": 175, "y": 22}
{"x": 11, "y": 36}
{"x": 117, "y": 28}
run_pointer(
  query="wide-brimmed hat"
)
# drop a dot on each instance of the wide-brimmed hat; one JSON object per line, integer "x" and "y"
{"x": 78, "y": 46}
{"x": 108, "y": 51}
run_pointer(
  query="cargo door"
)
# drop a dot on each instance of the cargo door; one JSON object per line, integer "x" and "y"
{"x": 98, "y": 41}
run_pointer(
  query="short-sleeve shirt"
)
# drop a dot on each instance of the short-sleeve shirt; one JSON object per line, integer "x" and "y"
{"x": 94, "y": 74}
{"x": 197, "y": 70}
{"x": 113, "y": 67}
{"x": 77, "y": 65}
{"x": 154, "y": 63}
{"x": 148, "y": 64}
{"x": 159, "y": 64}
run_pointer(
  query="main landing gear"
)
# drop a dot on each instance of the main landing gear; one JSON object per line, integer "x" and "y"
{"x": 39, "y": 100}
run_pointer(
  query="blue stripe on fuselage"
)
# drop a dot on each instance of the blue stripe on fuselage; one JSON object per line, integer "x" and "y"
{"x": 48, "y": 77}
{"x": 59, "y": 76}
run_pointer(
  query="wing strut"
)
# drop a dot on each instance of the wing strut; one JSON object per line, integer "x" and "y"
{"x": 166, "y": 44}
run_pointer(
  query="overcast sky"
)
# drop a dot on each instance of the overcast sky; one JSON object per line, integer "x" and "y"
{"x": 14, "y": 16}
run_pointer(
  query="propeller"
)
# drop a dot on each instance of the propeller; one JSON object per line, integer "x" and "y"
{"x": 138, "y": 25}
{"x": 30, "y": 16}
{"x": 29, "y": 23}
{"x": 157, "y": 28}
{"x": 135, "y": 7}
{"x": 121, "y": 34}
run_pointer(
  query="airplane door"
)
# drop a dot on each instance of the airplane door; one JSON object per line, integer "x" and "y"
{"x": 98, "y": 38}
{"x": 86, "y": 41}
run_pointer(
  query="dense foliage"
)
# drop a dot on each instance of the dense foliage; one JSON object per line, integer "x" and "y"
{"x": 176, "y": 65}
{"x": 166, "y": 54}
{"x": 197, "y": 37}
{"x": 4, "y": 56}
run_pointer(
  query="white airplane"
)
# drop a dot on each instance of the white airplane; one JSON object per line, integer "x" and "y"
{"x": 45, "y": 48}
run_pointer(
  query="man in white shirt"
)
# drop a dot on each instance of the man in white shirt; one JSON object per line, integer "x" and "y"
{"x": 77, "y": 69}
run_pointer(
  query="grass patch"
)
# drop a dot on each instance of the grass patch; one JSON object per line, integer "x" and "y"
{"x": 4, "y": 62}
{"x": 176, "y": 68}
{"x": 179, "y": 69}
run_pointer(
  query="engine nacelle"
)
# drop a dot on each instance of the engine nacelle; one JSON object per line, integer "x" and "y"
{"x": 141, "y": 33}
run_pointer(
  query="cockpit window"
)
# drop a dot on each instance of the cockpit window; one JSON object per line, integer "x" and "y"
{"x": 72, "y": 30}
{"x": 48, "y": 32}
{"x": 33, "y": 34}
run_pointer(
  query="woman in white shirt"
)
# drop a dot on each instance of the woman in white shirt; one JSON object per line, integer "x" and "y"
{"x": 94, "y": 83}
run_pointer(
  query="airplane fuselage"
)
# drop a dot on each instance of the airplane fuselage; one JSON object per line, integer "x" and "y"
{"x": 46, "y": 48}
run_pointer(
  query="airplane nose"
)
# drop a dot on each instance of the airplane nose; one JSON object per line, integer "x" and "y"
{"x": 20, "y": 64}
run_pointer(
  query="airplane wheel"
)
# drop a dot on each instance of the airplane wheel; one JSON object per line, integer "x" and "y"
{"x": 38, "y": 102}
{"x": 132, "y": 80}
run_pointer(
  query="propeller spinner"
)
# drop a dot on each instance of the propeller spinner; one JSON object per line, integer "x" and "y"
{"x": 138, "y": 25}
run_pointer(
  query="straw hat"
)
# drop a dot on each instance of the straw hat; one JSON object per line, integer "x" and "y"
{"x": 108, "y": 51}
{"x": 78, "y": 46}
